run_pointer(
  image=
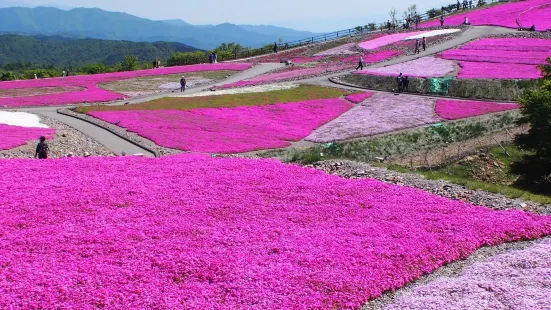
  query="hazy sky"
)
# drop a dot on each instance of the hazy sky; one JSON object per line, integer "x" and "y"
{"x": 313, "y": 15}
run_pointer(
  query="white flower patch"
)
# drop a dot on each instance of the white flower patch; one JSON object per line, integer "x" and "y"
{"x": 252, "y": 89}
{"x": 21, "y": 119}
{"x": 432, "y": 33}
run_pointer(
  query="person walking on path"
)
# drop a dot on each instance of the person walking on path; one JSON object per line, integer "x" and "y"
{"x": 424, "y": 43}
{"x": 183, "y": 84}
{"x": 275, "y": 47}
{"x": 417, "y": 20}
{"x": 417, "y": 47}
{"x": 442, "y": 21}
{"x": 42, "y": 149}
{"x": 361, "y": 63}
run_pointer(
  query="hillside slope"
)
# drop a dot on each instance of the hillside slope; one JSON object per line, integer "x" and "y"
{"x": 65, "y": 52}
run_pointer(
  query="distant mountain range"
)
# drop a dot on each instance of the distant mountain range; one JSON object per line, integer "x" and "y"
{"x": 66, "y": 52}
{"x": 100, "y": 24}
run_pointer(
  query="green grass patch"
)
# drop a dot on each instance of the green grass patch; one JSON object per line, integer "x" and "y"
{"x": 489, "y": 173}
{"x": 301, "y": 93}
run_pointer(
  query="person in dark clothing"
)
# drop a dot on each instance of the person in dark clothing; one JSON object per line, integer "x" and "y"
{"x": 211, "y": 58}
{"x": 458, "y": 5}
{"x": 275, "y": 47}
{"x": 417, "y": 20}
{"x": 405, "y": 84}
{"x": 399, "y": 81}
{"x": 424, "y": 43}
{"x": 361, "y": 63}
{"x": 417, "y": 47}
{"x": 183, "y": 84}
{"x": 442, "y": 21}
{"x": 42, "y": 149}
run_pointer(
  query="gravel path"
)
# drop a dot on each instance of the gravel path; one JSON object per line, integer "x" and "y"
{"x": 356, "y": 170}
{"x": 67, "y": 139}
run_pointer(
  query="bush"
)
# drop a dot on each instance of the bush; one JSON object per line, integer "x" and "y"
{"x": 130, "y": 63}
{"x": 7, "y": 76}
{"x": 535, "y": 170}
{"x": 93, "y": 68}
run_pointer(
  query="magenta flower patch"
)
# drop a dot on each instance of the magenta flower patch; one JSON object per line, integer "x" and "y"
{"x": 386, "y": 40}
{"x": 511, "y": 58}
{"x": 195, "y": 232}
{"x": 456, "y": 109}
{"x": 14, "y": 136}
{"x": 504, "y": 15}
{"x": 357, "y": 98}
{"x": 92, "y": 92}
{"x": 378, "y": 56}
{"x": 488, "y": 70}
{"x": 229, "y": 130}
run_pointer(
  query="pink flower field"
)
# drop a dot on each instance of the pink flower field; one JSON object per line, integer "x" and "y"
{"x": 538, "y": 16}
{"x": 488, "y": 70}
{"x": 386, "y": 40}
{"x": 511, "y": 58}
{"x": 514, "y": 280}
{"x": 289, "y": 74}
{"x": 423, "y": 67}
{"x": 229, "y": 130}
{"x": 344, "y": 49}
{"x": 14, "y": 136}
{"x": 497, "y": 56}
{"x": 92, "y": 92}
{"x": 504, "y": 15}
{"x": 195, "y": 232}
{"x": 381, "y": 113}
{"x": 455, "y": 109}
{"x": 357, "y": 98}
{"x": 378, "y": 56}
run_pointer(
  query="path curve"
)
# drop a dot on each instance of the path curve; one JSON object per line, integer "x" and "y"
{"x": 117, "y": 144}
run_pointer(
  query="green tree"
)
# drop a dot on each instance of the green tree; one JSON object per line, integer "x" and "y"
{"x": 7, "y": 76}
{"x": 130, "y": 63}
{"x": 535, "y": 169}
{"x": 189, "y": 58}
{"x": 93, "y": 68}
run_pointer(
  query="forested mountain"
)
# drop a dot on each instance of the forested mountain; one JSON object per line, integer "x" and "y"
{"x": 65, "y": 52}
{"x": 99, "y": 24}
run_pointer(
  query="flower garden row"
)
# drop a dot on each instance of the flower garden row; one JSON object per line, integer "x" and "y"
{"x": 378, "y": 48}
{"x": 530, "y": 12}
{"x": 196, "y": 232}
{"x": 250, "y": 122}
{"x": 496, "y": 58}
{"x": 91, "y": 92}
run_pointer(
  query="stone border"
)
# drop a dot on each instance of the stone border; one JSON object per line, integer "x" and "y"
{"x": 122, "y": 133}
{"x": 356, "y": 170}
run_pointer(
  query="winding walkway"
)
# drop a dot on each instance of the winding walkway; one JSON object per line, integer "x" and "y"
{"x": 118, "y": 145}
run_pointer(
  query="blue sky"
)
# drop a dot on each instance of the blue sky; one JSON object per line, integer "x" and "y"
{"x": 312, "y": 15}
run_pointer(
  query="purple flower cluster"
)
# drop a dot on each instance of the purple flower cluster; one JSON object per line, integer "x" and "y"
{"x": 92, "y": 92}
{"x": 344, "y": 49}
{"x": 229, "y": 130}
{"x": 14, "y": 136}
{"x": 515, "y": 280}
{"x": 504, "y": 15}
{"x": 423, "y": 68}
{"x": 379, "y": 114}
{"x": 457, "y": 109}
{"x": 537, "y": 16}
{"x": 195, "y": 232}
